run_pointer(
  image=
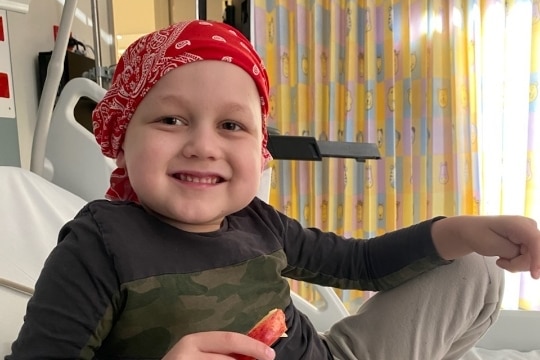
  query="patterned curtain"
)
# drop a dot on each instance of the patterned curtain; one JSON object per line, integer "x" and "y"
{"x": 509, "y": 121}
{"x": 400, "y": 74}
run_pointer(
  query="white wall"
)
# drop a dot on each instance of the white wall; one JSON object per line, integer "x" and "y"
{"x": 32, "y": 33}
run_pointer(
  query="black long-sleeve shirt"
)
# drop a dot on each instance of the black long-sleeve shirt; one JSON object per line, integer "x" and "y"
{"x": 123, "y": 284}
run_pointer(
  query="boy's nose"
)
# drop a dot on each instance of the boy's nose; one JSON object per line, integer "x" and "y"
{"x": 202, "y": 143}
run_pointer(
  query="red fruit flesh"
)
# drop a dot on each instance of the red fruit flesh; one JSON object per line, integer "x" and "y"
{"x": 268, "y": 330}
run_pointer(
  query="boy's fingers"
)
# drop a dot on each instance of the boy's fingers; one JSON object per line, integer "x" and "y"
{"x": 518, "y": 264}
{"x": 235, "y": 343}
{"x": 504, "y": 264}
{"x": 531, "y": 247}
{"x": 534, "y": 254}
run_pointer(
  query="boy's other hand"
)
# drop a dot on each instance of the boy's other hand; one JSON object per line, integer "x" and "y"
{"x": 218, "y": 345}
{"x": 515, "y": 240}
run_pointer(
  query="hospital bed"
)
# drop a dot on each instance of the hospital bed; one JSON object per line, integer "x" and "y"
{"x": 33, "y": 208}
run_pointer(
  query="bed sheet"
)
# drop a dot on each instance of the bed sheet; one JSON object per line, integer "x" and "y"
{"x": 26, "y": 198}
{"x": 32, "y": 211}
{"x": 506, "y": 354}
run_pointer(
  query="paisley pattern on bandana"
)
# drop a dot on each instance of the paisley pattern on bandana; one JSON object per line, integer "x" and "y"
{"x": 152, "y": 56}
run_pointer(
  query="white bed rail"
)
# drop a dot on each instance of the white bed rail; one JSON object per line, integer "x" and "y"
{"x": 55, "y": 70}
{"x": 72, "y": 151}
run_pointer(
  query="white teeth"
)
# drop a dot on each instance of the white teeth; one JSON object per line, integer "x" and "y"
{"x": 204, "y": 180}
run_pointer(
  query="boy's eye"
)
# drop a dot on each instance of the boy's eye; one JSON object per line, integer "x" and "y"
{"x": 231, "y": 126}
{"x": 172, "y": 121}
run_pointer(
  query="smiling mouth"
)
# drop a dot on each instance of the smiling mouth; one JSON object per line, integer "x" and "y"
{"x": 199, "y": 180}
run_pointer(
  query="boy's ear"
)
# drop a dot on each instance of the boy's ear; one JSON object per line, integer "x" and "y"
{"x": 121, "y": 159}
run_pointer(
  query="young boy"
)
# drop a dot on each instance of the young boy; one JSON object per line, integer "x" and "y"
{"x": 184, "y": 259}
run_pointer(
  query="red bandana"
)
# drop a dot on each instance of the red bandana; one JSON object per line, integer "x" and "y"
{"x": 147, "y": 60}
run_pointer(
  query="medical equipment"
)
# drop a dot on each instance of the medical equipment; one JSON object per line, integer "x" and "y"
{"x": 20, "y": 6}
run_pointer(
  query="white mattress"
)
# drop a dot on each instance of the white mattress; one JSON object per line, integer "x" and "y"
{"x": 32, "y": 210}
{"x": 485, "y": 354}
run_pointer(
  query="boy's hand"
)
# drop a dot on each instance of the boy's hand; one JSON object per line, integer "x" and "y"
{"x": 514, "y": 239}
{"x": 218, "y": 345}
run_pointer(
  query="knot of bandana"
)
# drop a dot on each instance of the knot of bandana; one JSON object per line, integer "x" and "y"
{"x": 147, "y": 60}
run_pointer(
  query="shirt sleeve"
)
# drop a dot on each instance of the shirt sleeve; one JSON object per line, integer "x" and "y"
{"x": 379, "y": 263}
{"x": 70, "y": 312}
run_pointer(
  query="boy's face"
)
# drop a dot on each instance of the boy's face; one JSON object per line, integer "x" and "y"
{"x": 192, "y": 149}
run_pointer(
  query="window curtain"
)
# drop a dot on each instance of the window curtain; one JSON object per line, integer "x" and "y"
{"x": 507, "y": 63}
{"x": 405, "y": 75}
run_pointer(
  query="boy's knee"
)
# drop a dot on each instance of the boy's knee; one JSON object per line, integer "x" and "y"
{"x": 485, "y": 275}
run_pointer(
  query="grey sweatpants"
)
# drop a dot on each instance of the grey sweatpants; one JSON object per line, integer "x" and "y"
{"x": 438, "y": 315}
